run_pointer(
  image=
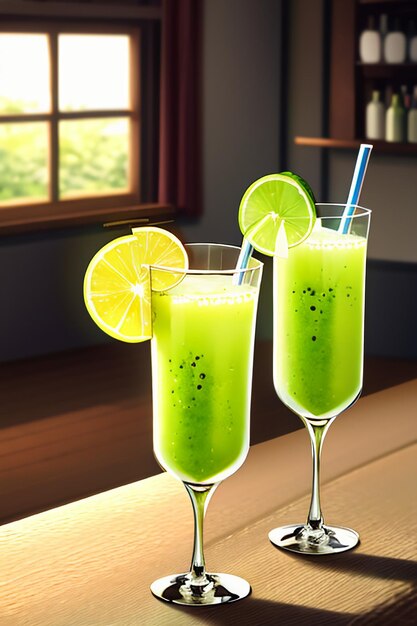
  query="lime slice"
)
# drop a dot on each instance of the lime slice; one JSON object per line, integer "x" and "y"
{"x": 117, "y": 283}
{"x": 274, "y": 200}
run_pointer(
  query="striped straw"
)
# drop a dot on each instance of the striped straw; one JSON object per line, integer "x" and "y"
{"x": 355, "y": 186}
{"x": 242, "y": 262}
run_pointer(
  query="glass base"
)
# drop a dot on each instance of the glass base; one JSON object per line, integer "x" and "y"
{"x": 305, "y": 540}
{"x": 217, "y": 589}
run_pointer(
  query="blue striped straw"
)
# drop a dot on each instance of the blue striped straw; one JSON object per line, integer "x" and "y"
{"x": 355, "y": 186}
{"x": 243, "y": 261}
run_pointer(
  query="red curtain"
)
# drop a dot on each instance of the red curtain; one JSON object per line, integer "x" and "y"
{"x": 179, "y": 144}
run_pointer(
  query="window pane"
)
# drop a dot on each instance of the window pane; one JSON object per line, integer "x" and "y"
{"x": 93, "y": 156}
{"x": 23, "y": 162}
{"x": 93, "y": 72}
{"x": 24, "y": 73}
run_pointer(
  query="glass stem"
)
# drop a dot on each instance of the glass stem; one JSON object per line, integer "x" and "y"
{"x": 200, "y": 496}
{"x": 317, "y": 434}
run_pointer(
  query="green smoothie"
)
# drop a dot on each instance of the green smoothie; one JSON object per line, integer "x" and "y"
{"x": 318, "y": 323}
{"x": 202, "y": 353}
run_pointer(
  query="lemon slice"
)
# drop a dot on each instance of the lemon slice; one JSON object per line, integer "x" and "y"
{"x": 161, "y": 248}
{"x": 117, "y": 283}
{"x": 271, "y": 202}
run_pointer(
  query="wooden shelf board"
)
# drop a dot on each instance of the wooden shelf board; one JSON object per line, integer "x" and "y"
{"x": 379, "y": 146}
{"x": 388, "y": 71}
{"x": 395, "y": 3}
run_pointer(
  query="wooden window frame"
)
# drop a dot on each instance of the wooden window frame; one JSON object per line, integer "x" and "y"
{"x": 139, "y": 204}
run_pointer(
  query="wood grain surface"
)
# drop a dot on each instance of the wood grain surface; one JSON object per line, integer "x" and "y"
{"x": 90, "y": 563}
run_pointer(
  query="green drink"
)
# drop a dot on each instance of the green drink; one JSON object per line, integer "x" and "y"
{"x": 202, "y": 351}
{"x": 319, "y": 255}
{"x": 202, "y": 354}
{"x": 318, "y": 323}
{"x": 319, "y": 294}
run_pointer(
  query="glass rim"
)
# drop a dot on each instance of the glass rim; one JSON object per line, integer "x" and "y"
{"x": 228, "y": 272}
{"x": 363, "y": 211}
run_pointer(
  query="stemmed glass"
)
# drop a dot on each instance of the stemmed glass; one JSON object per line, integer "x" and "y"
{"x": 319, "y": 297}
{"x": 202, "y": 356}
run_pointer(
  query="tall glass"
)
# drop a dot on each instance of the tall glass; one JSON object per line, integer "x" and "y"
{"x": 319, "y": 299}
{"x": 202, "y": 355}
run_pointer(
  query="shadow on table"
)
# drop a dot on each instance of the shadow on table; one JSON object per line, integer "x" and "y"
{"x": 398, "y": 611}
{"x": 259, "y": 612}
{"x": 386, "y": 568}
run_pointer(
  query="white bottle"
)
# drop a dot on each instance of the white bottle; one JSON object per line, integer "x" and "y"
{"x": 375, "y": 117}
{"x": 370, "y": 49}
{"x": 412, "y": 120}
{"x": 395, "y": 45}
{"x": 395, "y": 120}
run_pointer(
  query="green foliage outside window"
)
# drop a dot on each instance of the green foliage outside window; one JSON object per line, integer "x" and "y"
{"x": 93, "y": 157}
{"x": 23, "y": 161}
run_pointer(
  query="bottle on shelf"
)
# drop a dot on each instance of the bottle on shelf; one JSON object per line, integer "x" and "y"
{"x": 395, "y": 45}
{"x": 370, "y": 50}
{"x": 395, "y": 120}
{"x": 412, "y": 120}
{"x": 375, "y": 117}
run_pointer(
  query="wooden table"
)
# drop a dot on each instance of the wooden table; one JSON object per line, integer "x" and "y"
{"x": 90, "y": 563}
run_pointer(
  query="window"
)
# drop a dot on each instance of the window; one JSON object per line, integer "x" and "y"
{"x": 72, "y": 142}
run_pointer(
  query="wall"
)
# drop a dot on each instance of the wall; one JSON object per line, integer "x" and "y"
{"x": 41, "y": 277}
{"x": 304, "y": 89}
{"x": 390, "y": 190}
{"x": 241, "y": 109}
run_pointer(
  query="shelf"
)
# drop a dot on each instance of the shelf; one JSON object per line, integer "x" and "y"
{"x": 351, "y": 82}
{"x": 394, "y": 3}
{"x": 388, "y": 71}
{"x": 379, "y": 146}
